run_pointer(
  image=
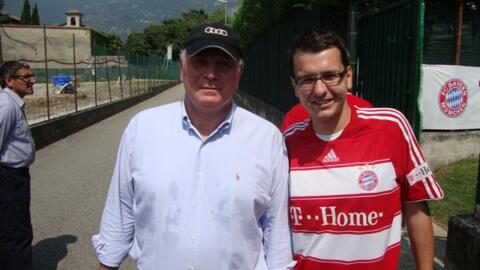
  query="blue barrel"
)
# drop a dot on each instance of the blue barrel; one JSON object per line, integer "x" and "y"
{"x": 60, "y": 80}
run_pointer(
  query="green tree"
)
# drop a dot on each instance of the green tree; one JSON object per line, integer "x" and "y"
{"x": 195, "y": 16}
{"x": 26, "y": 17}
{"x": 156, "y": 38}
{"x": 254, "y": 17}
{"x": 35, "y": 16}
{"x": 175, "y": 32}
{"x": 115, "y": 43}
{"x": 218, "y": 16}
{"x": 135, "y": 43}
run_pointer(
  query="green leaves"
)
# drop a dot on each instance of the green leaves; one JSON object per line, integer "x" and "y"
{"x": 35, "y": 16}
{"x": 26, "y": 17}
{"x": 156, "y": 38}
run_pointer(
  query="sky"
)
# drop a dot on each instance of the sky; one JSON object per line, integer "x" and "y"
{"x": 120, "y": 17}
{"x": 53, "y": 11}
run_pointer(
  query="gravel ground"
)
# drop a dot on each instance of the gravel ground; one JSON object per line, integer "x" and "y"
{"x": 62, "y": 104}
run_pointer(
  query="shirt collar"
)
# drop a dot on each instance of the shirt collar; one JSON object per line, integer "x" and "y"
{"x": 18, "y": 100}
{"x": 225, "y": 126}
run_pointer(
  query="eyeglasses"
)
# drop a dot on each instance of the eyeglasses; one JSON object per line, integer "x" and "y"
{"x": 26, "y": 78}
{"x": 329, "y": 78}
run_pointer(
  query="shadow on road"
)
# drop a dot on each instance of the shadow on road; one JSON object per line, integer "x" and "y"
{"x": 407, "y": 262}
{"x": 49, "y": 252}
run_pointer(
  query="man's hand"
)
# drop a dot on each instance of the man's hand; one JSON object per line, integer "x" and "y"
{"x": 420, "y": 232}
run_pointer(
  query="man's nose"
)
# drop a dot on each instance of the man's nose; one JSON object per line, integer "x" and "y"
{"x": 211, "y": 71}
{"x": 319, "y": 87}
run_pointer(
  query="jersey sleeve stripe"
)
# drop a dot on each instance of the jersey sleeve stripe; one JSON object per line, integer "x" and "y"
{"x": 402, "y": 123}
{"x": 414, "y": 149}
{"x": 411, "y": 149}
{"x": 294, "y": 127}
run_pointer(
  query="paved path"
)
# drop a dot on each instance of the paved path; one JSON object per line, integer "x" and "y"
{"x": 70, "y": 179}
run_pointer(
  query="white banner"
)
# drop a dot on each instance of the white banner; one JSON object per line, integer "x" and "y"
{"x": 169, "y": 52}
{"x": 450, "y": 97}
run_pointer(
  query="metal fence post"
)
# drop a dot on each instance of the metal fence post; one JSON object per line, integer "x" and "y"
{"x": 46, "y": 69}
{"x": 458, "y": 34}
{"x": 129, "y": 74}
{"x": 477, "y": 195}
{"x": 138, "y": 81}
{"x": 144, "y": 77}
{"x": 108, "y": 79}
{"x": 120, "y": 75}
{"x": 75, "y": 74}
{"x": 1, "y": 50}
{"x": 95, "y": 71}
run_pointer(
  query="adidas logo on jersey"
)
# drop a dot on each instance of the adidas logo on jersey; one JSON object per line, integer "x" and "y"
{"x": 330, "y": 157}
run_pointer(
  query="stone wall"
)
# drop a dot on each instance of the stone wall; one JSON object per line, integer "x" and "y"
{"x": 27, "y": 43}
{"x": 445, "y": 147}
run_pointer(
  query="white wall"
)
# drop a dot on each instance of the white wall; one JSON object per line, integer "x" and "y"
{"x": 20, "y": 42}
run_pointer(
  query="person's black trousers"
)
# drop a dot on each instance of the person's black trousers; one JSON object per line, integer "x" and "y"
{"x": 15, "y": 225}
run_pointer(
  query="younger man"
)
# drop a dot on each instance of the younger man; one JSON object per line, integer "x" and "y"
{"x": 355, "y": 172}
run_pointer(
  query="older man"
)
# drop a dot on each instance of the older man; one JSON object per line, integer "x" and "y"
{"x": 200, "y": 183}
{"x": 356, "y": 173}
{"x": 17, "y": 152}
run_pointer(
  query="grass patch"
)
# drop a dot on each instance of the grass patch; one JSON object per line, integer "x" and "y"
{"x": 458, "y": 181}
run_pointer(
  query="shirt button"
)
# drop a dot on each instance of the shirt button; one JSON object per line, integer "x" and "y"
{"x": 190, "y": 267}
{"x": 193, "y": 237}
{"x": 194, "y": 205}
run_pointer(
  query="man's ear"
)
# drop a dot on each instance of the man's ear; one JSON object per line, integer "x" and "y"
{"x": 181, "y": 70}
{"x": 349, "y": 77}
{"x": 9, "y": 82}
{"x": 292, "y": 81}
{"x": 241, "y": 67}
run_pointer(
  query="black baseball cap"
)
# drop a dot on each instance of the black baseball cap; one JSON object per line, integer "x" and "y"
{"x": 214, "y": 35}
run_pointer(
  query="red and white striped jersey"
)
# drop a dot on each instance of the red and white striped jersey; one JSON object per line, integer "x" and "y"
{"x": 346, "y": 193}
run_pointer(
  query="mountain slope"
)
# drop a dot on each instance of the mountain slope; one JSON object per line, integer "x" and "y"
{"x": 116, "y": 16}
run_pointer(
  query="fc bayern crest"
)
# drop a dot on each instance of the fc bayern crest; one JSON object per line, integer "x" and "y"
{"x": 453, "y": 98}
{"x": 368, "y": 180}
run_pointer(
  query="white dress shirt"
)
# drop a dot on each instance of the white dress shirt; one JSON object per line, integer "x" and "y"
{"x": 177, "y": 201}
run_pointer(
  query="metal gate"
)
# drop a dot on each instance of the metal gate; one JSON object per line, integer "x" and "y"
{"x": 390, "y": 58}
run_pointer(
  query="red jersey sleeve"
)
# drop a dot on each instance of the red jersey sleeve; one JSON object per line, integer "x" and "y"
{"x": 296, "y": 114}
{"x": 417, "y": 181}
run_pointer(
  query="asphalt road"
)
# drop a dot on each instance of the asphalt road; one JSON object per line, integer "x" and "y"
{"x": 70, "y": 179}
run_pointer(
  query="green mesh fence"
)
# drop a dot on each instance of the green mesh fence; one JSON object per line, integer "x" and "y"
{"x": 390, "y": 55}
{"x": 267, "y": 74}
{"x": 73, "y": 73}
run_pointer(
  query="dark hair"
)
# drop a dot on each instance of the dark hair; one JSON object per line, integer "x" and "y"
{"x": 315, "y": 41}
{"x": 9, "y": 69}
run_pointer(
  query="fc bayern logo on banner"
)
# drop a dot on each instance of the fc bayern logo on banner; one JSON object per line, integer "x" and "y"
{"x": 368, "y": 180}
{"x": 453, "y": 98}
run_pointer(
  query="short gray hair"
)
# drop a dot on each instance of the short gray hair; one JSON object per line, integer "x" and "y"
{"x": 9, "y": 70}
